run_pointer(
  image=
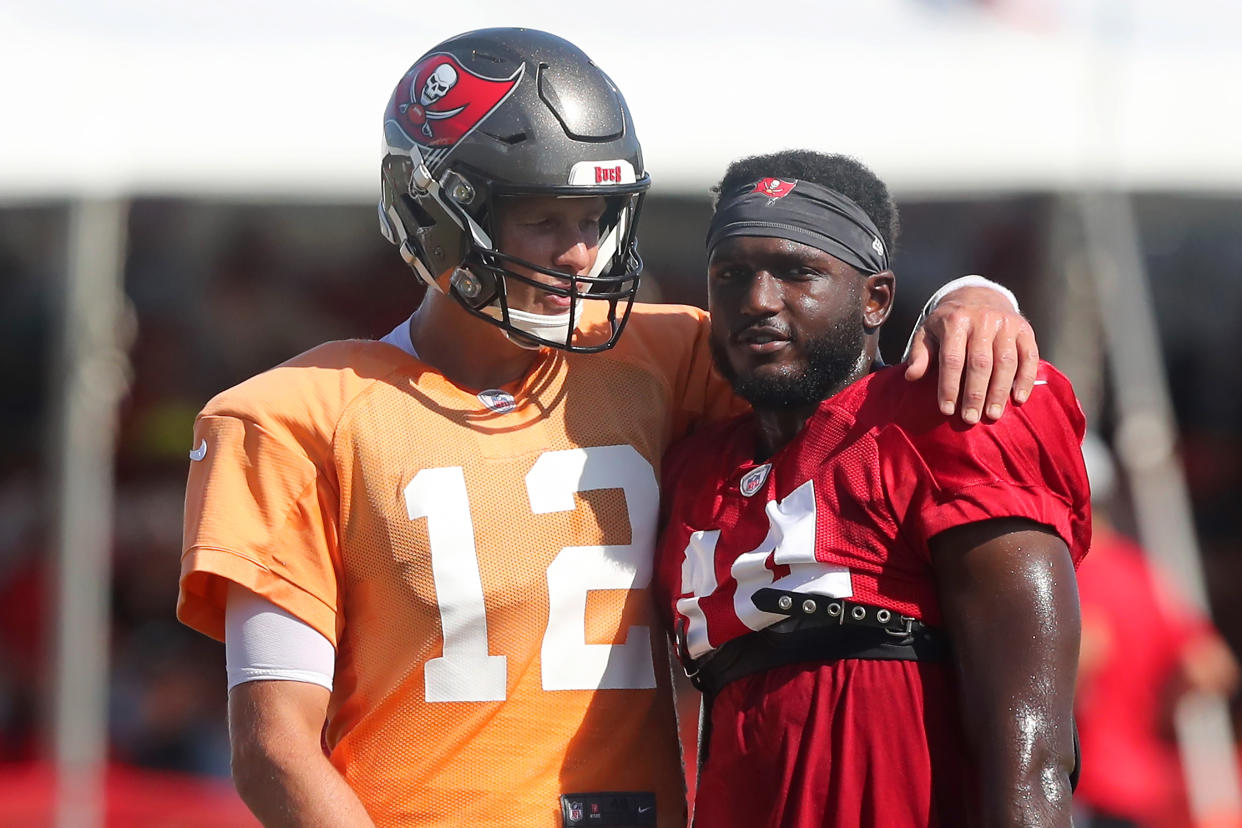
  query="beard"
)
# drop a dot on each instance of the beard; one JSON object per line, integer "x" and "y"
{"x": 833, "y": 361}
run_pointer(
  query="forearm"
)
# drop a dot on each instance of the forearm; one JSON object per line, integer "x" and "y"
{"x": 1025, "y": 757}
{"x": 1011, "y": 613}
{"x": 305, "y": 792}
{"x": 280, "y": 770}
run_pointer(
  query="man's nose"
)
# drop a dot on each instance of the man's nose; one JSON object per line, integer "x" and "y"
{"x": 762, "y": 296}
{"x": 577, "y": 254}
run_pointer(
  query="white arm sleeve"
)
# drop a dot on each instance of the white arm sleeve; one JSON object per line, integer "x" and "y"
{"x": 949, "y": 287}
{"x": 262, "y": 642}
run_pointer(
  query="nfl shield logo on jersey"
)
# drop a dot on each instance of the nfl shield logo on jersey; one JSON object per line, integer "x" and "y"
{"x": 754, "y": 479}
{"x": 502, "y": 402}
{"x": 575, "y": 810}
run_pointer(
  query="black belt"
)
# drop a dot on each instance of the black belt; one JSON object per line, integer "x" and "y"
{"x": 821, "y": 610}
{"x": 817, "y": 628}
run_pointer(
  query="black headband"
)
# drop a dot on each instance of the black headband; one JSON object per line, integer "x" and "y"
{"x": 804, "y": 212}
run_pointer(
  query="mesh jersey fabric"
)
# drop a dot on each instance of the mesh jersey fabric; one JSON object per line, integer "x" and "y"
{"x": 847, "y": 509}
{"x": 483, "y": 574}
{"x": 842, "y": 744}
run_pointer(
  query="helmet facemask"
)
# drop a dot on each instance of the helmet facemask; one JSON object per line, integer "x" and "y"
{"x": 483, "y": 284}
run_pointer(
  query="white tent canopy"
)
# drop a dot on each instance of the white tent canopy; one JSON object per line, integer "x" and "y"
{"x": 284, "y": 98}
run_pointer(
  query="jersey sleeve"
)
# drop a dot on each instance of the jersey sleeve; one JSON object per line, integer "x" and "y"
{"x": 702, "y": 394}
{"x": 940, "y": 473}
{"x": 259, "y": 512}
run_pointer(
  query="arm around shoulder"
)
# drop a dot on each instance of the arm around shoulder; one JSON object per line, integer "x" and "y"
{"x": 1010, "y": 605}
{"x": 984, "y": 346}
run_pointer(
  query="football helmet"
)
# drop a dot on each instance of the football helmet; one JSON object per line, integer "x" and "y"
{"x": 497, "y": 113}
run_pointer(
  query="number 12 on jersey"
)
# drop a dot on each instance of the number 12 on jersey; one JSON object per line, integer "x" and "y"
{"x": 466, "y": 671}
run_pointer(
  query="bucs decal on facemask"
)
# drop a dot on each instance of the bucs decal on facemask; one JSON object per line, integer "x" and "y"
{"x": 774, "y": 188}
{"x": 439, "y": 101}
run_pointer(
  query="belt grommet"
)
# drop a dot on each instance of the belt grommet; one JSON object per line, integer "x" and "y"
{"x": 883, "y": 616}
{"x": 809, "y": 606}
{"x": 785, "y": 602}
{"x": 834, "y": 609}
{"x": 858, "y": 613}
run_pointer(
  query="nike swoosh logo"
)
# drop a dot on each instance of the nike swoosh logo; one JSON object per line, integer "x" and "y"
{"x": 643, "y": 810}
{"x": 200, "y": 452}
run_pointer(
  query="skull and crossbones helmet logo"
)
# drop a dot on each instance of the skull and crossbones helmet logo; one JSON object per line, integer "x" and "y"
{"x": 438, "y": 84}
{"x": 421, "y": 109}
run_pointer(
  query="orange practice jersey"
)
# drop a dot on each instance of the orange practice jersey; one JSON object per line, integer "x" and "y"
{"x": 482, "y": 574}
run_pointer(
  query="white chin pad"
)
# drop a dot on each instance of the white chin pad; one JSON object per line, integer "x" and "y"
{"x": 552, "y": 327}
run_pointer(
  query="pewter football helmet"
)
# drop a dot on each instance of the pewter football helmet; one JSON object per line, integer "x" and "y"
{"x": 511, "y": 112}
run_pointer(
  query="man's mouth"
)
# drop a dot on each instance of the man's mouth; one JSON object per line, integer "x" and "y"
{"x": 554, "y": 303}
{"x": 762, "y": 339}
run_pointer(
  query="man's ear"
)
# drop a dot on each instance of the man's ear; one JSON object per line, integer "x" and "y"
{"x": 879, "y": 289}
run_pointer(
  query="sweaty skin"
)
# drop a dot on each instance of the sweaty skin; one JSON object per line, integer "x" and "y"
{"x": 1007, "y": 586}
{"x": 1015, "y": 645}
{"x": 769, "y": 298}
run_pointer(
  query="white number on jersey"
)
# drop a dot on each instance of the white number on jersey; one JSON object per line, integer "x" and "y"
{"x": 466, "y": 671}
{"x": 790, "y": 541}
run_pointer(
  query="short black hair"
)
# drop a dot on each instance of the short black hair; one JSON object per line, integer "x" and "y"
{"x": 847, "y": 175}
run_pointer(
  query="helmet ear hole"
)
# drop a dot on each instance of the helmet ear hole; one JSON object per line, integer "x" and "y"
{"x": 418, "y": 216}
{"x": 438, "y": 242}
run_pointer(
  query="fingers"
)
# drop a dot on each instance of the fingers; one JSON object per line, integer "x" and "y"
{"x": 920, "y": 355}
{"x": 1004, "y": 368}
{"x": 985, "y": 356}
{"x": 978, "y": 376}
{"x": 953, "y": 336}
{"x": 1009, "y": 367}
{"x": 1028, "y": 362}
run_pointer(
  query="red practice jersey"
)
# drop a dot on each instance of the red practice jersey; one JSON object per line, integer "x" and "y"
{"x": 847, "y": 510}
{"x": 480, "y": 561}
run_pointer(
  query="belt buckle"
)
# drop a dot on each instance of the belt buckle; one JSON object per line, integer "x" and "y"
{"x": 906, "y": 631}
{"x": 683, "y": 656}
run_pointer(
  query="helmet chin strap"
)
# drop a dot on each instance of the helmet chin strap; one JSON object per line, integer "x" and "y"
{"x": 550, "y": 326}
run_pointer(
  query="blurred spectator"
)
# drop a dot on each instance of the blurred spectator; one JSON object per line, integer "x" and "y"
{"x": 166, "y": 707}
{"x": 1143, "y": 648}
{"x": 22, "y": 606}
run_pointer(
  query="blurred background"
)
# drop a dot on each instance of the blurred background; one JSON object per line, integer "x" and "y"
{"x": 187, "y": 198}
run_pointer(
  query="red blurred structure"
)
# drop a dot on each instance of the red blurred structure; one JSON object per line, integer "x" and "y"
{"x": 136, "y": 798}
